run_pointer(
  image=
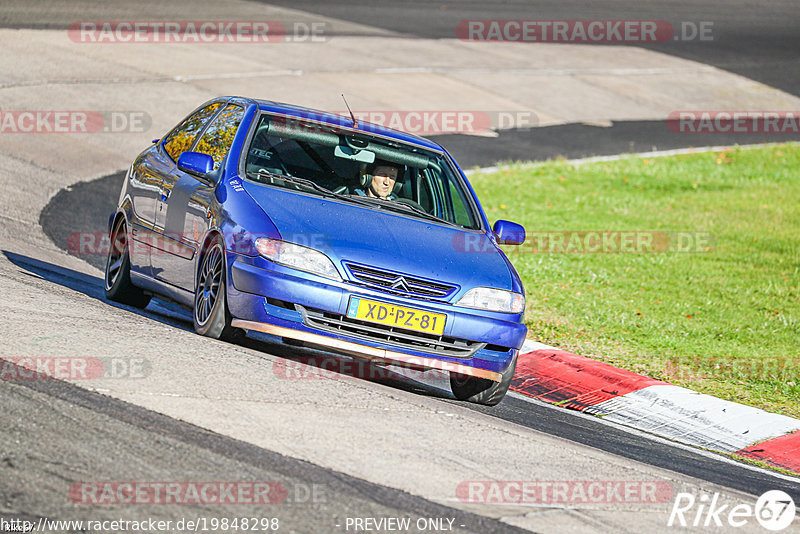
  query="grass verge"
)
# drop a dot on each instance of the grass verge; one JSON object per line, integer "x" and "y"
{"x": 682, "y": 268}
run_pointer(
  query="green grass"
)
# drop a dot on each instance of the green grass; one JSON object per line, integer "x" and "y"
{"x": 722, "y": 320}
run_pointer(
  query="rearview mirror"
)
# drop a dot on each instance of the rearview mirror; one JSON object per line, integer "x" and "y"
{"x": 196, "y": 163}
{"x": 508, "y": 233}
{"x": 346, "y": 152}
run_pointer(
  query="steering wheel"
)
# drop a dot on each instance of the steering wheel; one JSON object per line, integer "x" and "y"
{"x": 410, "y": 203}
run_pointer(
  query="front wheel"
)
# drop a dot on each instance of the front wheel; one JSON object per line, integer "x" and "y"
{"x": 117, "y": 283}
{"x": 482, "y": 390}
{"x": 211, "y": 315}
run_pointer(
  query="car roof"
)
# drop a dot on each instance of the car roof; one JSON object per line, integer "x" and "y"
{"x": 344, "y": 122}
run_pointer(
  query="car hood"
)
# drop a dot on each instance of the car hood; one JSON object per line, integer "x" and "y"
{"x": 347, "y": 232}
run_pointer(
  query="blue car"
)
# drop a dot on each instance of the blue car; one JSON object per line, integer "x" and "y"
{"x": 327, "y": 232}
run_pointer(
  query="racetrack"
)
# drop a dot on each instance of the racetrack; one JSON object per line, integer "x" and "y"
{"x": 202, "y": 410}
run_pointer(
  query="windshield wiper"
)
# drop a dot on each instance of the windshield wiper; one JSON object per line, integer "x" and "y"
{"x": 401, "y": 206}
{"x": 309, "y": 183}
{"x": 418, "y": 211}
{"x": 295, "y": 180}
{"x": 355, "y": 199}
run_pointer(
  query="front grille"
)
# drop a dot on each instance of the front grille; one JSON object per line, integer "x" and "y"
{"x": 390, "y": 335}
{"x": 400, "y": 284}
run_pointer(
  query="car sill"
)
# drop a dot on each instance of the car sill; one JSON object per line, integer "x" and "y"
{"x": 374, "y": 353}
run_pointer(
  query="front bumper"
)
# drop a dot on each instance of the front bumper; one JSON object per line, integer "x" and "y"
{"x": 373, "y": 353}
{"x": 256, "y": 284}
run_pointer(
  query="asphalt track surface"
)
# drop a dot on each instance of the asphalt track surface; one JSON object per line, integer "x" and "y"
{"x": 572, "y": 141}
{"x": 754, "y": 39}
{"x": 60, "y": 220}
{"x": 97, "y": 419}
{"x": 114, "y": 436}
{"x": 757, "y": 42}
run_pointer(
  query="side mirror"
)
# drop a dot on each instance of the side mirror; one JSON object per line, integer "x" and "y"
{"x": 509, "y": 233}
{"x": 196, "y": 164}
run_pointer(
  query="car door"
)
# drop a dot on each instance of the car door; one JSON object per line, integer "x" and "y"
{"x": 184, "y": 215}
{"x": 144, "y": 190}
{"x": 178, "y": 141}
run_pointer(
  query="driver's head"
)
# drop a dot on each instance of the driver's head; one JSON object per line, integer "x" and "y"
{"x": 384, "y": 176}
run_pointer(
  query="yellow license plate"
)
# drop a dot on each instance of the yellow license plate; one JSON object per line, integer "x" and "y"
{"x": 400, "y": 316}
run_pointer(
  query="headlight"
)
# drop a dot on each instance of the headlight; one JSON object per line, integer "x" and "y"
{"x": 297, "y": 257}
{"x": 498, "y": 300}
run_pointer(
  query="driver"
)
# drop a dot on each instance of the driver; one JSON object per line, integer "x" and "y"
{"x": 384, "y": 177}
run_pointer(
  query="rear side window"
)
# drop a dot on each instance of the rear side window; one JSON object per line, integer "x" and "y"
{"x": 181, "y": 138}
{"x": 217, "y": 139}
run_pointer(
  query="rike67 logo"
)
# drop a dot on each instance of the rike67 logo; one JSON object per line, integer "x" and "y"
{"x": 774, "y": 510}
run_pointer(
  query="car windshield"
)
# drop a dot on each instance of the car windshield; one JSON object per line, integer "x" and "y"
{"x": 323, "y": 161}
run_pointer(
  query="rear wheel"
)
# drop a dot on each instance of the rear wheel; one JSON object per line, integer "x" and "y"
{"x": 211, "y": 315}
{"x": 482, "y": 390}
{"x": 118, "y": 285}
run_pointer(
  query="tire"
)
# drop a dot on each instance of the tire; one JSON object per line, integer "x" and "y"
{"x": 117, "y": 283}
{"x": 482, "y": 390}
{"x": 210, "y": 315}
{"x": 293, "y": 342}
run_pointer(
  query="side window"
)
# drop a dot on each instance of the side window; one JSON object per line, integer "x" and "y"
{"x": 432, "y": 182}
{"x": 459, "y": 208}
{"x": 217, "y": 139}
{"x": 182, "y": 137}
{"x": 425, "y": 193}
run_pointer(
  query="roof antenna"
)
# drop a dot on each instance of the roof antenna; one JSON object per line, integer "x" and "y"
{"x": 355, "y": 122}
